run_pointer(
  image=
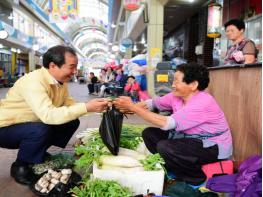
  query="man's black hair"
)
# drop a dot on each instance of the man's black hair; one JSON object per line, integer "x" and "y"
{"x": 195, "y": 72}
{"x": 56, "y": 55}
{"x": 236, "y": 22}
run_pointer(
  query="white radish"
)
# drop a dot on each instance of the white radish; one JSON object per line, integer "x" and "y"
{"x": 122, "y": 161}
{"x": 131, "y": 153}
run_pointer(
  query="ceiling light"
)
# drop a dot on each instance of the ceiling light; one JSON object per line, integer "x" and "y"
{"x": 134, "y": 48}
{"x": 115, "y": 48}
{"x": 113, "y": 25}
{"x": 1, "y": 46}
{"x": 35, "y": 47}
{"x": 10, "y": 17}
{"x": 143, "y": 40}
{"x": 3, "y": 34}
{"x": 112, "y": 56}
{"x": 18, "y": 51}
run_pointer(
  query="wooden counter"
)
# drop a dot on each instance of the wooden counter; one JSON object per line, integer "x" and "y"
{"x": 238, "y": 91}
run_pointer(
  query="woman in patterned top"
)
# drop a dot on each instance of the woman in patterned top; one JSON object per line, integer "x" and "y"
{"x": 243, "y": 50}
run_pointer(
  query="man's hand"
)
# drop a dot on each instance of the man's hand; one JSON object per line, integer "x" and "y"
{"x": 97, "y": 105}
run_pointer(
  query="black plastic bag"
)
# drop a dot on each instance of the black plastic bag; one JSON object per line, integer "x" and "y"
{"x": 110, "y": 129}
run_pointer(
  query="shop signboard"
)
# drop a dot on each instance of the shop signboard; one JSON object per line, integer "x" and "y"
{"x": 11, "y": 31}
{"x": 155, "y": 56}
{"x": 126, "y": 43}
{"x": 17, "y": 35}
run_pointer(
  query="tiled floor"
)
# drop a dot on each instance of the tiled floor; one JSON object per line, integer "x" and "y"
{"x": 9, "y": 188}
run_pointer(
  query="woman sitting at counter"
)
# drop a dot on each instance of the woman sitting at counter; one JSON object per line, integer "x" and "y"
{"x": 243, "y": 50}
{"x": 195, "y": 134}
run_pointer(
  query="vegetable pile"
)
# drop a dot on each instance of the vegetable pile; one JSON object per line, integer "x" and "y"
{"x": 62, "y": 160}
{"x": 93, "y": 150}
{"x": 100, "y": 188}
{"x": 50, "y": 179}
{"x": 89, "y": 153}
{"x": 132, "y": 157}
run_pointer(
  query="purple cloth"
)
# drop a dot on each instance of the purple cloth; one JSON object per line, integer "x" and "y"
{"x": 247, "y": 182}
{"x": 201, "y": 115}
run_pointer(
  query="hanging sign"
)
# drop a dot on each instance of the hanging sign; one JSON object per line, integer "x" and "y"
{"x": 126, "y": 43}
{"x": 131, "y": 5}
{"x": 63, "y": 10}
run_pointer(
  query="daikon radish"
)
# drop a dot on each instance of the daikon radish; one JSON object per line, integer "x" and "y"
{"x": 122, "y": 169}
{"x": 131, "y": 153}
{"x": 142, "y": 149}
{"x": 121, "y": 161}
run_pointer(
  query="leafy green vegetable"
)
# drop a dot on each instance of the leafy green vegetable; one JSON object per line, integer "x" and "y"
{"x": 101, "y": 188}
{"x": 90, "y": 152}
{"x": 153, "y": 162}
{"x": 61, "y": 160}
{"x": 94, "y": 147}
{"x": 131, "y": 136}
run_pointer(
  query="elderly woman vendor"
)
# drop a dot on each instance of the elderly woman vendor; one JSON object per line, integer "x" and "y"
{"x": 195, "y": 134}
{"x": 242, "y": 50}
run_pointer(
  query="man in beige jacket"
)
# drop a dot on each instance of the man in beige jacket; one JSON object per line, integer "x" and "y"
{"x": 38, "y": 112}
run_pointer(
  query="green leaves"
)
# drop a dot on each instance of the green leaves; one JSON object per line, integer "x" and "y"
{"x": 101, "y": 188}
{"x": 94, "y": 147}
{"x": 153, "y": 162}
{"x": 131, "y": 136}
{"x": 61, "y": 160}
{"x": 89, "y": 152}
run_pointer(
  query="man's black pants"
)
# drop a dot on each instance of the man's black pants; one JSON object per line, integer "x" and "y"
{"x": 184, "y": 157}
{"x": 91, "y": 88}
{"x": 34, "y": 138}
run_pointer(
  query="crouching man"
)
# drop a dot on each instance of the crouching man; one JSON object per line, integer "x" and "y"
{"x": 38, "y": 112}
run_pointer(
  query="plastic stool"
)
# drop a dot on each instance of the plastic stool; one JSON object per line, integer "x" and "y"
{"x": 217, "y": 168}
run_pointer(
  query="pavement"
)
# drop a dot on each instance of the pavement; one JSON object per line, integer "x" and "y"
{"x": 9, "y": 188}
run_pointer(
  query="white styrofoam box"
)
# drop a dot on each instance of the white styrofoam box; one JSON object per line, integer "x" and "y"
{"x": 139, "y": 182}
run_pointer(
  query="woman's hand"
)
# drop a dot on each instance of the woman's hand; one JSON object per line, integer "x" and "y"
{"x": 124, "y": 104}
{"x": 238, "y": 56}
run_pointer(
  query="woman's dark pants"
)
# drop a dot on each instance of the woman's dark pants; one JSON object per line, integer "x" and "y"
{"x": 34, "y": 138}
{"x": 184, "y": 157}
